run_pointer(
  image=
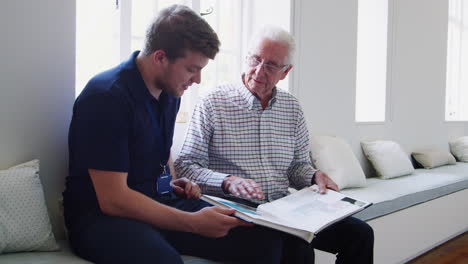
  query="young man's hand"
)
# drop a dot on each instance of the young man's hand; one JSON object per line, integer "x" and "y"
{"x": 215, "y": 221}
{"x": 244, "y": 188}
{"x": 184, "y": 188}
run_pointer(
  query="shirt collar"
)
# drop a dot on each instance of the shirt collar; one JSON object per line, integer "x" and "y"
{"x": 251, "y": 101}
{"x": 137, "y": 85}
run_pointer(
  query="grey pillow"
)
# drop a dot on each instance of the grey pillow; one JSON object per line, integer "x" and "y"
{"x": 459, "y": 148}
{"x": 431, "y": 158}
{"x": 388, "y": 158}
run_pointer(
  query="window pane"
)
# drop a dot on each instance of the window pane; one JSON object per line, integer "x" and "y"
{"x": 456, "y": 107}
{"x": 99, "y": 35}
{"x": 97, "y": 39}
{"x": 142, "y": 13}
{"x": 273, "y": 12}
{"x": 371, "y": 68}
{"x": 225, "y": 20}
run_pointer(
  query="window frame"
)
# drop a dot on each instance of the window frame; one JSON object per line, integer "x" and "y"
{"x": 125, "y": 39}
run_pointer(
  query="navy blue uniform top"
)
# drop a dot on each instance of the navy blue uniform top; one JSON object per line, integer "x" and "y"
{"x": 113, "y": 129}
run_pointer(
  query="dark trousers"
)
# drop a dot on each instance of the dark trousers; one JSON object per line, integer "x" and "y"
{"x": 106, "y": 239}
{"x": 351, "y": 239}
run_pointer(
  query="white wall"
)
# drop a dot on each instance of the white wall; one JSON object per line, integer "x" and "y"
{"x": 327, "y": 66}
{"x": 36, "y": 88}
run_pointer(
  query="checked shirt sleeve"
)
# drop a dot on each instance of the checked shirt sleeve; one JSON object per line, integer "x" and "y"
{"x": 193, "y": 160}
{"x": 301, "y": 171}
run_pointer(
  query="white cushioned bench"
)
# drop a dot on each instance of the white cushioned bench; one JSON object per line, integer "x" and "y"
{"x": 391, "y": 195}
{"x": 435, "y": 197}
{"x": 414, "y": 213}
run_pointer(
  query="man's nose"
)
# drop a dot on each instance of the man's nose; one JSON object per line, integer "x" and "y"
{"x": 196, "y": 78}
{"x": 259, "y": 69}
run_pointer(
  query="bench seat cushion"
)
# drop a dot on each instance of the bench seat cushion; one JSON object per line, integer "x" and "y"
{"x": 65, "y": 255}
{"x": 54, "y": 257}
{"x": 391, "y": 195}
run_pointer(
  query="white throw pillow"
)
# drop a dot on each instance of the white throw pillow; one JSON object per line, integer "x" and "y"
{"x": 431, "y": 158}
{"x": 24, "y": 222}
{"x": 388, "y": 158}
{"x": 334, "y": 156}
{"x": 459, "y": 148}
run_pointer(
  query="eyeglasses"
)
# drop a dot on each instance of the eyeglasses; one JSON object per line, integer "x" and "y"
{"x": 270, "y": 68}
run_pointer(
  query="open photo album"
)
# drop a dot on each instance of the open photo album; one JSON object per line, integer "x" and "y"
{"x": 303, "y": 213}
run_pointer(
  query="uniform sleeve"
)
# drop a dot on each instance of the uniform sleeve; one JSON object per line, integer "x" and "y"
{"x": 99, "y": 132}
{"x": 193, "y": 160}
{"x": 301, "y": 171}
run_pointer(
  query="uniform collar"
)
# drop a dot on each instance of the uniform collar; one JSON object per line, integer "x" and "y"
{"x": 137, "y": 85}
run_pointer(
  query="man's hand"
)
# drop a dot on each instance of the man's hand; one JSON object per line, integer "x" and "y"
{"x": 184, "y": 188}
{"x": 215, "y": 221}
{"x": 244, "y": 188}
{"x": 324, "y": 182}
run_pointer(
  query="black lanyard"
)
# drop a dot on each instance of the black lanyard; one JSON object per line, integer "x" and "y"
{"x": 158, "y": 133}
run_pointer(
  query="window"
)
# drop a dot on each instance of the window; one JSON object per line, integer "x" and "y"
{"x": 97, "y": 39}
{"x": 109, "y": 30}
{"x": 456, "y": 100}
{"x": 371, "y": 68}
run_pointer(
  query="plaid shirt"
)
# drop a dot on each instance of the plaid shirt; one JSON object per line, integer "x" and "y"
{"x": 230, "y": 134}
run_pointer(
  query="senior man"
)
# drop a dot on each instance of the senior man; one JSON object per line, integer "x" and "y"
{"x": 248, "y": 141}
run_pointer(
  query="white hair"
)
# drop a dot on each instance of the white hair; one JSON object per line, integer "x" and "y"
{"x": 276, "y": 34}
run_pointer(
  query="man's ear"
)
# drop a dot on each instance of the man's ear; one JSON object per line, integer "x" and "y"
{"x": 285, "y": 73}
{"x": 159, "y": 57}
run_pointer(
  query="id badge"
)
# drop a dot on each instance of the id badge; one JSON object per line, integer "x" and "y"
{"x": 163, "y": 184}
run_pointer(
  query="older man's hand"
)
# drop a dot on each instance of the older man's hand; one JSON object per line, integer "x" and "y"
{"x": 324, "y": 182}
{"x": 244, "y": 188}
